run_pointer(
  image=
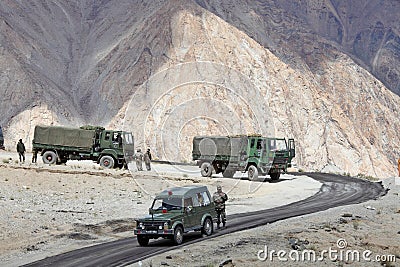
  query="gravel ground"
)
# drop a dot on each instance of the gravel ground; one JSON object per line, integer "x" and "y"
{"x": 48, "y": 210}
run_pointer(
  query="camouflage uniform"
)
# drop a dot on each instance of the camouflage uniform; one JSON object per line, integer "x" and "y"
{"x": 21, "y": 151}
{"x": 147, "y": 159}
{"x": 34, "y": 156}
{"x": 139, "y": 159}
{"x": 219, "y": 199}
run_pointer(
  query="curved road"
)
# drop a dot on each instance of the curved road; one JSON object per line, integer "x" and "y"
{"x": 336, "y": 191}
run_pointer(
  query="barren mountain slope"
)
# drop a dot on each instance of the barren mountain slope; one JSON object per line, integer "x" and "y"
{"x": 169, "y": 70}
{"x": 368, "y": 31}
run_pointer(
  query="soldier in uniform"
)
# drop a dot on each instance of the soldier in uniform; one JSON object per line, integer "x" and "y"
{"x": 139, "y": 159}
{"x": 21, "y": 151}
{"x": 147, "y": 159}
{"x": 219, "y": 199}
{"x": 34, "y": 156}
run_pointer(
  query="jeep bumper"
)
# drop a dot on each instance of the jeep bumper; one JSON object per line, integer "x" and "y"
{"x": 153, "y": 232}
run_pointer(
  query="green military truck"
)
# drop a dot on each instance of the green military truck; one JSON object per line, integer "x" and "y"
{"x": 254, "y": 154}
{"x": 108, "y": 148}
{"x": 177, "y": 211}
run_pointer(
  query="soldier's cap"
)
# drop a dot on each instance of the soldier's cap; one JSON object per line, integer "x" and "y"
{"x": 20, "y": 140}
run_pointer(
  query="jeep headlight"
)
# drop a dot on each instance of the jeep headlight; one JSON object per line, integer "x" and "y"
{"x": 141, "y": 225}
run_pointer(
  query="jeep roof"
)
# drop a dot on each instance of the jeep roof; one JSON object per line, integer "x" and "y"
{"x": 180, "y": 192}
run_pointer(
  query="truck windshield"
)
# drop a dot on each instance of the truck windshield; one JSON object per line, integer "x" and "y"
{"x": 167, "y": 203}
{"x": 277, "y": 144}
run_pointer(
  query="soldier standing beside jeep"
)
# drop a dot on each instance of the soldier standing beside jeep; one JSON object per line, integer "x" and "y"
{"x": 219, "y": 199}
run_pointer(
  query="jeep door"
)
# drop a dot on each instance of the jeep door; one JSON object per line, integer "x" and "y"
{"x": 188, "y": 214}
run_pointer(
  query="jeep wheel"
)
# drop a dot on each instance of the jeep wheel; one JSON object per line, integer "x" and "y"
{"x": 178, "y": 235}
{"x": 228, "y": 173}
{"x": 49, "y": 157}
{"x": 107, "y": 162}
{"x": 143, "y": 240}
{"x": 207, "y": 227}
{"x": 252, "y": 173}
{"x": 275, "y": 176}
{"x": 206, "y": 169}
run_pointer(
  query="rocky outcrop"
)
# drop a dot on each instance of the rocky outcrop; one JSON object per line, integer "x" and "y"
{"x": 169, "y": 70}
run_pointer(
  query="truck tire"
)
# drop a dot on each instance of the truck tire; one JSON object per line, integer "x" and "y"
{"x": 275, "y": 176}
{"x": 178, "y": 235}
{"x": 228, "y": 173}
{"x": 143, "y": 240}
{"x": 206, "y": 169}
{"x": 107, "y": 162}
{"x": 252, "y": 173}
{"x": 49, "y": 157}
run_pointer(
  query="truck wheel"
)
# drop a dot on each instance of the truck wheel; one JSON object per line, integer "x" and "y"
{"x": 143, "y": 240}
{"x": 178, "y": 235}
{"x": 275, "y": 176}
{"x": 206, "y": 169}
{"x": 228, "y": 173}
{"x": 107, "y": 162}
{"x": 49, "y": 157}
{"x": 252, "y": 173}
{"x": 207, "y": 227}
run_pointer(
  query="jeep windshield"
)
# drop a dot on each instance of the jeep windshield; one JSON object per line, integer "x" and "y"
{"x": 167, "y": 204}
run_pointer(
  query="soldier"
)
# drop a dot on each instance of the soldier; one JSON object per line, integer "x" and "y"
{"x": 21, "y": 151}
{"x": 219, "y": 199}
{"x": 139, "y": 159}
{"x": 147, "y": 159}
{"x": 34, "y": 156}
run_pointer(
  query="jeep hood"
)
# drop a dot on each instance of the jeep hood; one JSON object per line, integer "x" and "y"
{"x": 161, "y": 216}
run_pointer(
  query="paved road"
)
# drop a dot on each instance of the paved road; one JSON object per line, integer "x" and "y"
{"x": 335, "y": 191}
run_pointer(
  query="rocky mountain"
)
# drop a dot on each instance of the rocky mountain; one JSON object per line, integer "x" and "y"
{"x": 323, "y": 72}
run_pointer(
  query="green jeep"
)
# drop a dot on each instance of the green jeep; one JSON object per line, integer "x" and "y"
{"x": 177, "y": 211}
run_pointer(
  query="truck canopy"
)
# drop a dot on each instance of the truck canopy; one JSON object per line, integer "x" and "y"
{"x": 219, "y": 145}
{"x": 63, "y": 136}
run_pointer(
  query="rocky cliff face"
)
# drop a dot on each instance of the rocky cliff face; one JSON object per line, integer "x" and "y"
{"x": 169, "y": 70}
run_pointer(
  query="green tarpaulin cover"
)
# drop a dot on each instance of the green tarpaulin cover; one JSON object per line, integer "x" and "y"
{"x": 63, "y": 136}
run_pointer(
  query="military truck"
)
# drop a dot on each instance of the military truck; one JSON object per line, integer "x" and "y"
{"x": 108, "y": 148}
{"x": 254, "y": 154}
{"x": 177, "y": 211}
{"x": 1, "y": 139}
